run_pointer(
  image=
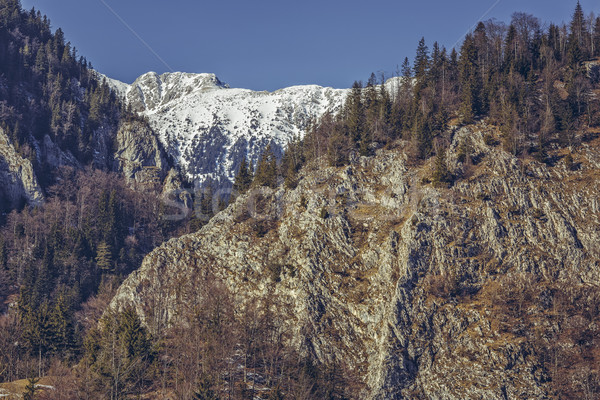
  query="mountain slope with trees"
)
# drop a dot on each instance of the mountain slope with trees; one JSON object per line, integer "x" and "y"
{"x": 435, "y": 237}
{"x": 438, "y": 241}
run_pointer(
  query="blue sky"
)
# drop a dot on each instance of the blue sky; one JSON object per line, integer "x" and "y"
{"x": 269, "y": 44}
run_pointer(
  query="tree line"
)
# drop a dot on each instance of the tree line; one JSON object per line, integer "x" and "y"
{"x": 534, "y": 82}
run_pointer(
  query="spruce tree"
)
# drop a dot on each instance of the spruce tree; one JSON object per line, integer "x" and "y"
{"x": 385, "y": 110}
{"x": 62, "y": 324}
{"x": 289, "y": 166}
{"x": 406, "y": 71}
{"x": 596, "y": 38}
{"x": 577, "y": 25}
{"x": 577, "y": 49}
{"x": 354, "y": 113}
{"x": 133, "y": 334}
{"x": 421, "y": 65}
{"x": 104, "y": 257}
{"x": 244, "y": 177}
{"x": 31, "y": 389}
{"x": 371, "y": 105}
{"x": 470, "y": 81}
{"x": 266, "y": 170}
{"x": 441, "y": 175}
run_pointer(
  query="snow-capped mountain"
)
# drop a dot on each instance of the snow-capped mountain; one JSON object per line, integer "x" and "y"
{"x": 207, "y": 127}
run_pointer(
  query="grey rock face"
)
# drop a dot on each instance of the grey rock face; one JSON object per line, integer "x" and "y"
{"x": 352, "y": 281}
{"x": 17, "y": 178}
{"x": 54, "y": 156}
{"x": 138, "y": 154}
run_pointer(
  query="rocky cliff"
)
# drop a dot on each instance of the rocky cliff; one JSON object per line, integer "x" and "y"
{"x": 132, "y": 151}
{"x": 372, "y": 264}
{"x": 18, "y": 182}
{"x": 139, "y": 156}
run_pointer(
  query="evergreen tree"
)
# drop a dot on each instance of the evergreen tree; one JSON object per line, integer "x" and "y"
{"x": 596, "y": 38}
{"x": 406, "y": 70}
{"x": 291, "y": 163}
{"x": 43, "y": 283}
{"x": 421, "y": 65}
{"x": 134, "y": 336}
{"x": 578, "y": 26}
{"x": 207, "y": 201}
{"x": 385, "y": 112}
{"x": 104, "y": 259}
{"x": 244, "y": 177}
{"x": 31, "y": 389}
{"x": 266, "y": 170}
{"x": 62, "y": 324}
{"x": 354, "y": 113}
{"x": 372, "y": 110}
{"x": 470, "y": 81}
{"x": 441, "y": 175}
{"x": 577, "y": 49}
{"x": 421, "y": 138}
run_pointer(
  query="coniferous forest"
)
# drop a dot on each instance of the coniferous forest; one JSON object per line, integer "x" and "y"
{"x": 61, "y": 262}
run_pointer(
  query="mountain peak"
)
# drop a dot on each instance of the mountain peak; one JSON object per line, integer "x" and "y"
{"x": 207, "y": 126}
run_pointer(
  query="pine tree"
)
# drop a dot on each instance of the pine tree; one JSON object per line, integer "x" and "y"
{"x": 406, "y": 71}
{"x": 134, "y": 335}
{"x": 577, "y": 49}
{"x": 43, "y": 283}
{"x": 441, "y": 175}
{"x": 244, "y": 177}
{"x": 104, "y": 257}
{"x": 385, "y": 111}
{"x": 290, "y": 165}
{"x": 354, "y": 113}
{"x": 578, "y": 25}
{"x": 596, "y": 38}
{"x": 470, "y": 81}
{"x": 421, "y": 65}
{"x": 372, "y": 102}
{"x": 266, "y": 170}
{"x": 371, "y": 105}
{"x": 62, "y": 324}
{"x": 420, "y": 138}
{"x": 31, "y": 389}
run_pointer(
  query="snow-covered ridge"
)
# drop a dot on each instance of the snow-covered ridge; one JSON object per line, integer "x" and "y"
{"x": 207, "y": 127}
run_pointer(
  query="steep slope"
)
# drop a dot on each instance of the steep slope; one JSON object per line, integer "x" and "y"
{"x": 403, "y": 281}
{"x": 207, "y": 127}
{"x": 18, "y": 183}
{"x": 138, "y": 154}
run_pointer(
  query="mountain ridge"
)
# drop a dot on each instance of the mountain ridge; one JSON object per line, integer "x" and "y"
{"x": 207, "y": 127}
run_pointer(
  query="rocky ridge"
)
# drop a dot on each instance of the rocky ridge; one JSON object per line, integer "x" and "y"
{"x": 139, "y": 156}
{"x": 17, "y": 178}
{"x": 352, "y": 257}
